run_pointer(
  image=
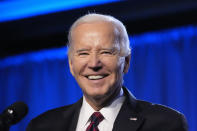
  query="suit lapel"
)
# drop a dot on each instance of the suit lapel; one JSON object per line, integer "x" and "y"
{"x": 128, "y": 119}
{"x": 73, "y": 117}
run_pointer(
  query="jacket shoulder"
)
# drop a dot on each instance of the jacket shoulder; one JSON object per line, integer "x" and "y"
{"x": 157, "y": 109}
{"x": 162, "y": 116}
{"x": 54, "y": 119}
{"x": 53, "y": 113}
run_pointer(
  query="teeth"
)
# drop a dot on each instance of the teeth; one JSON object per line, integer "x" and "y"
{"x": 95, "y": 77}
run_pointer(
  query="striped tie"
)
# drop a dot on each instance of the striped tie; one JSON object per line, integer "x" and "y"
{"x": 96, "y": 118}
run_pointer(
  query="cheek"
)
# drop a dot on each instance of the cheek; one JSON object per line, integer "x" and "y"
{"x": 78, "y": 65}
{"x": 114, "y": 64}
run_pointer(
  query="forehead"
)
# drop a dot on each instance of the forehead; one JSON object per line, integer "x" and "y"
{"x": 93, "y": 33}
{"x": 99, "y": 25}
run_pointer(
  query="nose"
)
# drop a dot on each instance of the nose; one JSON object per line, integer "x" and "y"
{"x": 94, "y": 62}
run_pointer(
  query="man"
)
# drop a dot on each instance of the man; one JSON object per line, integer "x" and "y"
{"x": 99, "y": 56}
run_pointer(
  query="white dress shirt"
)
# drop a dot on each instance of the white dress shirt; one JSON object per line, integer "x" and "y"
{"x": 109, "y": 112}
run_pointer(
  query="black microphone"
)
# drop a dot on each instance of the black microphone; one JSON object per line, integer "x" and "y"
{"x": 12, "y": 115}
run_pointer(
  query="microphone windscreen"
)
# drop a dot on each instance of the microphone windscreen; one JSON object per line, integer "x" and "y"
{"x": 15, "y": 112}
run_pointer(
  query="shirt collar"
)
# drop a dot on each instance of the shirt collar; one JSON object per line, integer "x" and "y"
{"x": 109, "y": 112}
{"x": 86, "y": 112}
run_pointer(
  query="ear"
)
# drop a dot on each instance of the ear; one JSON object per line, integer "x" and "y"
{"x": 70, "y": 65}
{"x": 127, "y": 64}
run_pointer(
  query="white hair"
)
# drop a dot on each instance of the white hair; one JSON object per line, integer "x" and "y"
{"x": 121, "y": 35}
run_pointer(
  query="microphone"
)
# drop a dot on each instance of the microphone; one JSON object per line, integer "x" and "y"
{"x": 12, "y": 115}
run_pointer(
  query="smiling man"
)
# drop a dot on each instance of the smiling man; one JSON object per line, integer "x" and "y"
{"x": 99, "y": 56}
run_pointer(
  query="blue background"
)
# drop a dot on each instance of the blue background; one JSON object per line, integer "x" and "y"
{"x": 163, "y": 70}
{"x": 20, "y": 9}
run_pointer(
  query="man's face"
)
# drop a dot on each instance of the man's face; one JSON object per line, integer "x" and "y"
{"x": 94, "y": 59}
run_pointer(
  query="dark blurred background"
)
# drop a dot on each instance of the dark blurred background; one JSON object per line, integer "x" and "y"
{"x": 33, "y": 61}
{"x": 34, "y": 31}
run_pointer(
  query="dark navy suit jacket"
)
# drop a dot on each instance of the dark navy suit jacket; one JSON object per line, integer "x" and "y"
{"x": 134, "y": 115}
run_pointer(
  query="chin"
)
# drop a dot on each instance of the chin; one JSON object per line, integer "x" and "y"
{"x": 101, "y": 93}
{"x": 98, "y": 97}
{"x": 96, "y": 93}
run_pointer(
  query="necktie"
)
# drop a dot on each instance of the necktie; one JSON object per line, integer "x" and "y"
{"x": 95, "y": 118}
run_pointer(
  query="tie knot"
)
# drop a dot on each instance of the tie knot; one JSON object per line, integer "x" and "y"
{"x": 96, "y": 118}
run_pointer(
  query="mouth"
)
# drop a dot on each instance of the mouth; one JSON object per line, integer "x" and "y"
{"x": 96, "y": 77}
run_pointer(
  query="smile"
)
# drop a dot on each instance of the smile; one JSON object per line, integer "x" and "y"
{"x": 95, "y": 77}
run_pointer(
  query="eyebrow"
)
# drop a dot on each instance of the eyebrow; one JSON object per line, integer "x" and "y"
{"x": 81, "y": 50}
{"x": 108, "y": 49}
{"x": 112, "y": 48}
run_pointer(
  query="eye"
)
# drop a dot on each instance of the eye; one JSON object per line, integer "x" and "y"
{"x": 106, "y": 52}
{"x": 83, "y": 54}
